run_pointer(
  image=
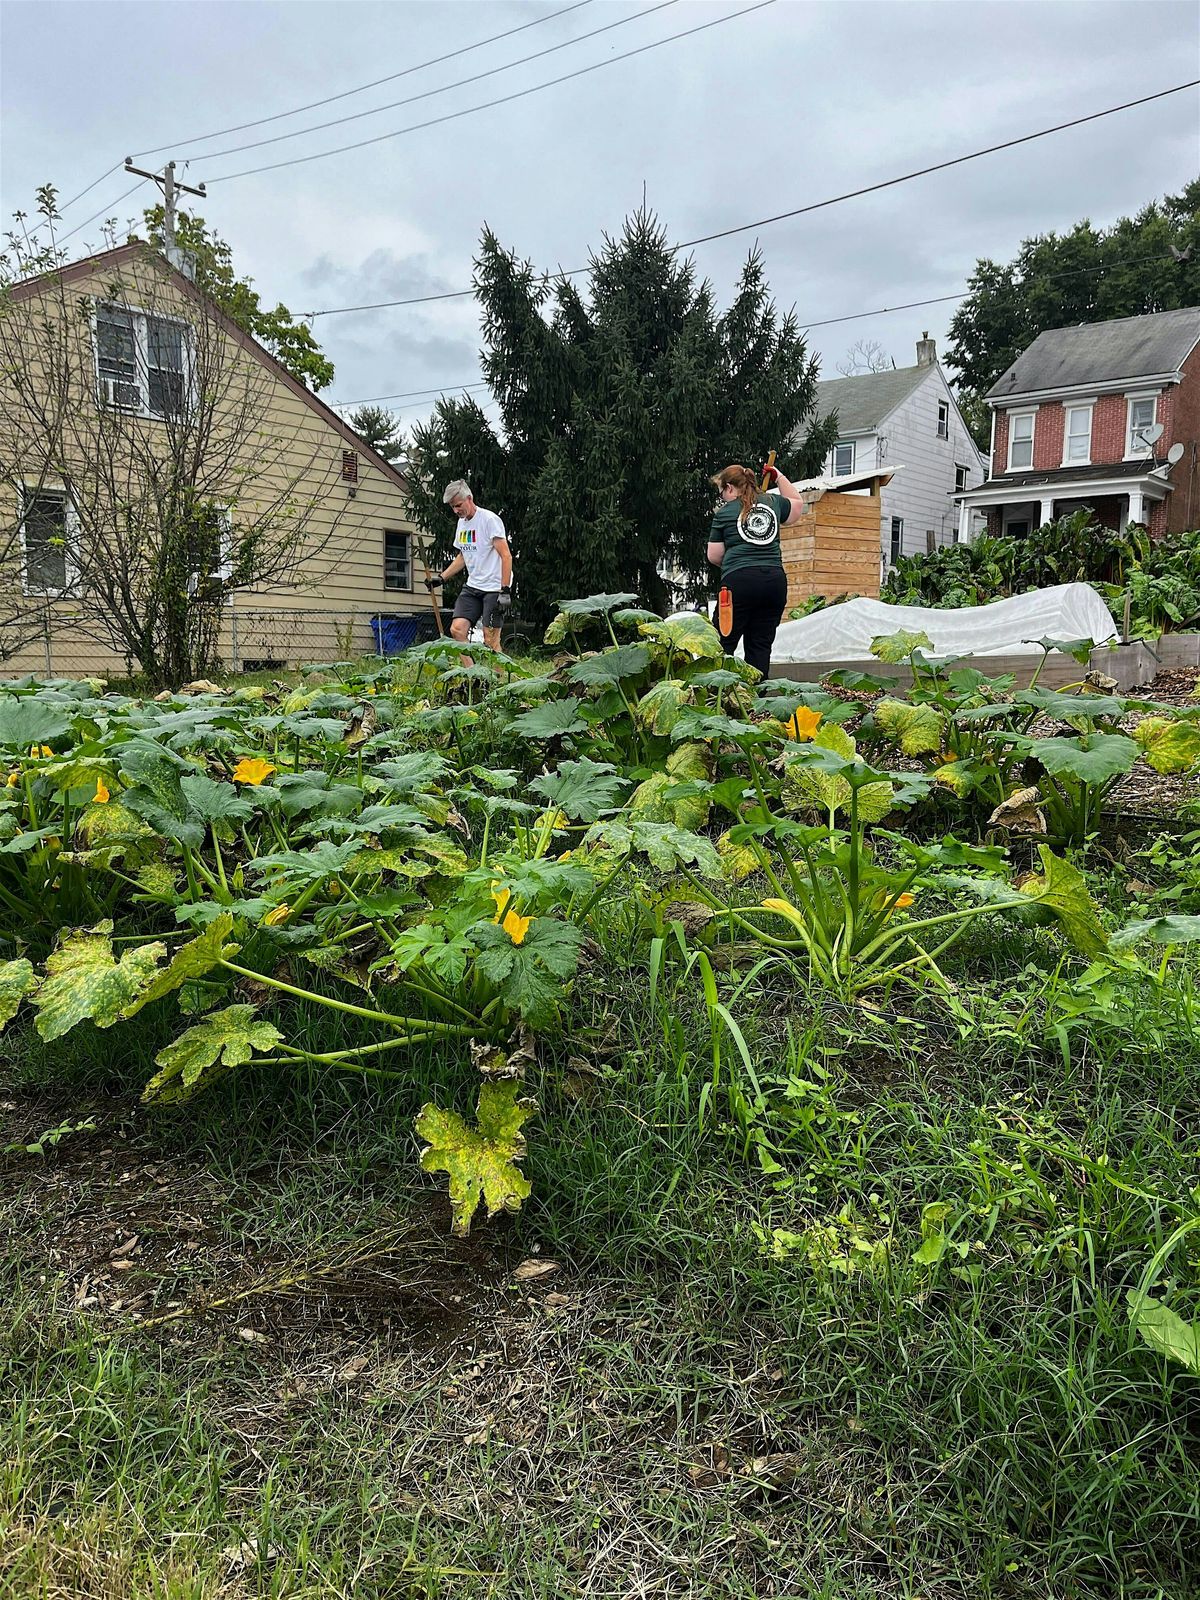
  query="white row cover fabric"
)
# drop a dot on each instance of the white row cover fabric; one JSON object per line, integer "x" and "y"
{"x": 1003, "y": 628}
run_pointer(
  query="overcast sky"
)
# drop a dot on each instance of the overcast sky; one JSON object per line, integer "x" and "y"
{"x": 785, "y": 105}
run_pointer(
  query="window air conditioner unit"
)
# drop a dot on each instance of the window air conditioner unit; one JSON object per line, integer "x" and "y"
{"x": 123, "y": 396}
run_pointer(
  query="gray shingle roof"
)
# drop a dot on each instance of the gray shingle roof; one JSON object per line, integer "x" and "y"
{"x": 863, "y": 401}
{"x": 1099, "y": 352}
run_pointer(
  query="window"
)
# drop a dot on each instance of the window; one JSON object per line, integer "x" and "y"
{"x": 141, "y": 361}
{"x": 210, "y": 548}
{"x": 47, "y": 527}
{"x": 1020, "y": 440}
{"x": 943, "y": 431}
{"x": 843, "y": 459}
{"x": 349, "y": 466}
{"x": 397, "y": 561}
{"x": 1141, "y": 417}
{"x": 1077, "y": 438}
{"x": 960, "y": 479}
{"x": 1017, "y": 530}
{"x": 897, "y": 537}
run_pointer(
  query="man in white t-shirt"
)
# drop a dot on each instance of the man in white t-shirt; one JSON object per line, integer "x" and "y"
{"x": 482, "y": 548}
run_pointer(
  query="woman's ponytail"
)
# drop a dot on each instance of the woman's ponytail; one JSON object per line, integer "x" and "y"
{"x": 744, "y": 481}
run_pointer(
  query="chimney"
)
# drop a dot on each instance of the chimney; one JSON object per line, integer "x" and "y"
{"x": 926, "y": 351}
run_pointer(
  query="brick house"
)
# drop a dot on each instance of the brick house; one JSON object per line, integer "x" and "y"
{"x": 1073, "y": 424}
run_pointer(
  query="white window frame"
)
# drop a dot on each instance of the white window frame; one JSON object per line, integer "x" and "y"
{"x": 70, "y": 539}
{"x": 141, "y": 342}
{"x": 843, "y": 444}
{"x": 1069, "y": 411}
{"x": 895, "y": 539}
{"x": 1133, "y": 452}
{"x": 943, "y": 419}
{"x": 962, "y": 478}
{"x": 396, "y": 588}
{"x": 1013, "y": 418}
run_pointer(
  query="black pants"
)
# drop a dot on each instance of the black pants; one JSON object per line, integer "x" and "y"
{"x": 759, "y": 596}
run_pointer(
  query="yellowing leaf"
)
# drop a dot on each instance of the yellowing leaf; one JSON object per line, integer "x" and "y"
{"x": 252, "y": 770}
{"x": 84, "y": 981}
{"x": 191, "y": 960}
{"x": 1062, "y": 891}
{"x": 480, "y": 1162}
{"x": 1165, "y": 1330}
{"x": 738, "y": 860}
{"x": 1169, "y": 745}
{"x": 916, "y": 729}
{"x": 223, "y": 1040}
{"x": 17, "y": 980}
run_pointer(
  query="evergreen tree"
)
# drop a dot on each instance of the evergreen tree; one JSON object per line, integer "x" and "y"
{"x": 288, "y": 340}
{"x": 616, "y": 405}
{"x": 382, "y": 431}
{"x": 1150, "y": 262}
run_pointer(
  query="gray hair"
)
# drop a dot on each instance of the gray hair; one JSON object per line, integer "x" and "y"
{"x": 460, "y": 489}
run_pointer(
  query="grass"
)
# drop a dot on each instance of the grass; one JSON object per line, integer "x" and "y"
{"x": 707, "y": 1398}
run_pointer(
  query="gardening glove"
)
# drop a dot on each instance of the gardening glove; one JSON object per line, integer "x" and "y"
{"x": 434, "y": 582}
{"x": 768, "y": 475}
{"x": 504, "y": 601}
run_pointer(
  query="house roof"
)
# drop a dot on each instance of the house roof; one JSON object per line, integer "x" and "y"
{"x": 1109, "y": 472}
{"x": 136, "y": 249}
{"x": 863, "y": 401}
{"x": 1147, "y": 347}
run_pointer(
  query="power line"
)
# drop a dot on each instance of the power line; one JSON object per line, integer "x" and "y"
{"x": 449, "y": 88}
{"x": 824, "y": 322}
{"x": 420, "y": 66}
{"x": 474, "y": 110}
{"x": 816, "y": 205}
{"x": 109, "y": 208}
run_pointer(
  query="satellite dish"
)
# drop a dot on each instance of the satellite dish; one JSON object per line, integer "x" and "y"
{"x": 1174, "y": 454}
{"x": 1152, "y": 434}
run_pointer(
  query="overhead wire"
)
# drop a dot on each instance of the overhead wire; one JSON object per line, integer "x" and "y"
{"x": 488, "y": 105}
{"x": 313, "y": 105}
{"x": 104, "y": 210}
{"x": 429, "y": 94}
{"x": 816, "y": 205}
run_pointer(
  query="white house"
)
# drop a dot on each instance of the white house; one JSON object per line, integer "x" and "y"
{"x": 906, "y": 420}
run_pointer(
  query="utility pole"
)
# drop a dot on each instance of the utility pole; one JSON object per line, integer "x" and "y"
{"x": 170, "y": 186}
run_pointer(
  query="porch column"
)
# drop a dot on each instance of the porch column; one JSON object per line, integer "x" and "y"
{"x": 1137, "y": 506}
{"x": 964, "y": 522}
{"x": 1047, "y": 512}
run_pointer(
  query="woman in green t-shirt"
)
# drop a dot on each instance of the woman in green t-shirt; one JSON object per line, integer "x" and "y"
{"x": 744, "y": 543}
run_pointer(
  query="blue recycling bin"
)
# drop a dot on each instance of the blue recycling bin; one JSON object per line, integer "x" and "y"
{"x": 393, "y": 634}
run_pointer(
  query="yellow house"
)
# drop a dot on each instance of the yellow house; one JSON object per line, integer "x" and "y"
{"x": 132, "y": 407}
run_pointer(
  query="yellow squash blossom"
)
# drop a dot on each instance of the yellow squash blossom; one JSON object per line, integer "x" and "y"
{"x": 501, "y": 897}
{"x": 885, "y": 901}
{"x": 14, "y": 778}
{"x": 785, "y": 908}
{"x": 516, "y": 927}
{"x": 102, "y": 796}
{"x": 275, "y": 917}
{"x": 803, "y": 722}
{"x": 252, "y": 770}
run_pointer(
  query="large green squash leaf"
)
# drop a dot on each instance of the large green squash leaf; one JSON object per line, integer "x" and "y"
{"x": 529, "y": 975}
{"x": 823, "y": 787}
{"x": 583, "y": 788}
{"x": 1158, "y": 930}
{"x": 551, "y": 720}
{"x": 1165, "y": 1330}
{"x": 665, "y": 846}
{"x": 17, "y": 981}
{"x": 84, "y": 981}
{"x": 1062, "y": 891}
{"x": 481, "y": 1161}
{"x": 916, "y": 729}
{"x": 224, "y": 1040}
{"x": 1168, "y": 744}
{"x": 27, "y": 721}
{"x": 1092, "y": 758}
{"x": 215, "y": 802}
{"x": 612, "y": 665}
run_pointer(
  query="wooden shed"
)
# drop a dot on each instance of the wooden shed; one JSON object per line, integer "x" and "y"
{"x": 834, "y": 549}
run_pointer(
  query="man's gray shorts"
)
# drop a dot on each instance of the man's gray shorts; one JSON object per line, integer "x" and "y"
{"x": 477, "y": 605}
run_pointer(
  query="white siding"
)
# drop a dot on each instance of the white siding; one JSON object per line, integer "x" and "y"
{"x": 923, "y": 493}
